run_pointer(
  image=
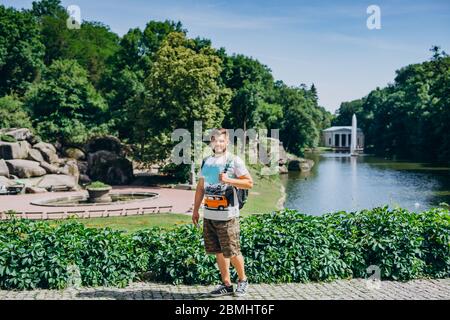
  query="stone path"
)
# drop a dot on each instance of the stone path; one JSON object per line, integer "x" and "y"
{"x": 356, "y": 289}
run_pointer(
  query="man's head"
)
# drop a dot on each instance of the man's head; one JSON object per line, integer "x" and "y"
{"x": 219, "y": 140}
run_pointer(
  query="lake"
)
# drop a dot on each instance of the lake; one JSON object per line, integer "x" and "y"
{"x": 340, "y": 182}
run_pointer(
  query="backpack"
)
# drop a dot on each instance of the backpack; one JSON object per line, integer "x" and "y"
{"x": 242, "y": 194}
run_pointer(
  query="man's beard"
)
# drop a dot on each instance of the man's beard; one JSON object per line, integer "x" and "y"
{"x": 220, "y": 152}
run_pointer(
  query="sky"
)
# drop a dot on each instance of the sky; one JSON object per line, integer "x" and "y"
{"x": 326, "y": 43}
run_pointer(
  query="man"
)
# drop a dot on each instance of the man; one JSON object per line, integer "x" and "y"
{"x": 221, "y": 211}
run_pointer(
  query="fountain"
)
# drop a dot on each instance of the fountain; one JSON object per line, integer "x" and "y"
{"x": 98, "y": 193}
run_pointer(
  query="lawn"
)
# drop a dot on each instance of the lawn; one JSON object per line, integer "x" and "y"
{"x": 264, "y": 195}
{"x": 262, "y": 198}
{"x": 134, "y": 223}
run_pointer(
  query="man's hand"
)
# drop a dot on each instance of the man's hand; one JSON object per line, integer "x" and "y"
{"x": 195, "y": 217}
{"x": 223, "y": 178}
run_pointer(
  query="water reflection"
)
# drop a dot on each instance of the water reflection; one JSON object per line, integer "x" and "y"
{"x": 341, "y": 182}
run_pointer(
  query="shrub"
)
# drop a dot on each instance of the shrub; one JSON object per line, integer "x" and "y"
{"x": 282, "y": 246}
{"x": 37, "y": 255}
{"x": 6, "y": 138}
{"x": 97, "y": 185}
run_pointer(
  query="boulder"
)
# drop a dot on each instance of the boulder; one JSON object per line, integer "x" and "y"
{"x": 35, "y": 155}
{"x": 84, "y": 179}
{"x": 108, "y": 143}
{"x": 72, "y": 169}
{"x": 6, "y": 182}
{"x": 74, "y": 153}
{"x": 25, "y": 168}
{"x": 300, "y": 164}
{"x": 4, "y": 171}
{"x": 108, "y": 167}
{"x": 57, "y": 180}
{"x": 82, "y": 167}
{"x": 283, "y": 169}
{"x": 34, "y": 140}
{"x": 48, "y": 152}
{"x": 44, "y": 145}
{"x": 20, "y": 134}
{"x": 50, "y": 168}
{"x": 35, "y": 190}
{"x": 14, "y": 150}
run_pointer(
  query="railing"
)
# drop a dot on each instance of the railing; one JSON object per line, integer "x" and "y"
{"x": 85, "y": 214}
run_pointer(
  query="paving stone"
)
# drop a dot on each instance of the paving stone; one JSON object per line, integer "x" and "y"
{"x": 355, "y": 289}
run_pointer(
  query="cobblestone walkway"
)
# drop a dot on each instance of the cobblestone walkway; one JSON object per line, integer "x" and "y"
{"x": 356, "y": 289}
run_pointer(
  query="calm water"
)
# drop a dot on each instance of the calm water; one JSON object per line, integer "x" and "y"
{"x": 340, "y": 182}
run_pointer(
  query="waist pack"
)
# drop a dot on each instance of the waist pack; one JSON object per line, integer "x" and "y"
{"x": 242, "y": 194}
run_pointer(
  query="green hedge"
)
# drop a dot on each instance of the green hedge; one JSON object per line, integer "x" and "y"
{"x": 37, "y": 255}
{"x": 283, "y": 246}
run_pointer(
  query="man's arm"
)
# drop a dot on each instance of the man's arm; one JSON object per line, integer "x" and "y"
{"x": 242, "y": 182}
{"x": 199, "y": 193}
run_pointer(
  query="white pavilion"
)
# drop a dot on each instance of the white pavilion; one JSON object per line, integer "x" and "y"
{"x": 339, "y": 138}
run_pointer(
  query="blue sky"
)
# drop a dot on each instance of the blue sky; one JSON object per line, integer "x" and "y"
{"x": 322, "y": 42}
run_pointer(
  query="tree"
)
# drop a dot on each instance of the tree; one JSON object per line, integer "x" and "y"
{"x": 182, "y": 87}
{"x": 131, "y": 64}
{"x": 13, "y": 114}
{"x": 21, "y": 50}
{"x": 65, "y": 106}
{"x": 409, "y": 118}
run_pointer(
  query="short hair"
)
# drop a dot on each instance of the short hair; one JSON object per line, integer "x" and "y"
{"x": 219, "y": 132}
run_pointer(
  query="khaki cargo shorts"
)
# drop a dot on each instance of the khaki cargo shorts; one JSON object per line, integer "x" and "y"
{"x": 222, "y": 237}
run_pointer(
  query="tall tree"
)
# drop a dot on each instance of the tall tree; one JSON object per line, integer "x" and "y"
{"x": 64, "y": 105}
{"x": 21, "y": 50}
{"x": 182, "y": 87}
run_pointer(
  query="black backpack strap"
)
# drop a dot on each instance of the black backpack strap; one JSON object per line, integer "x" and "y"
{"x": 203, "y": 162}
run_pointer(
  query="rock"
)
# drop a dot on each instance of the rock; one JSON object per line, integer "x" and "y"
{"x": 6, "y": 182}
{"x": 72, "y": 168}
{"x": 283, "y": 169}
{"x": 44, "y": 145}
{"x": 20, "y": 134}
{"x": 25, "y": 168}
{"x": 84, "y": 179}
{"x": 57, "y": 180}
{"x": 4, "y": 171}
{"x": 48, "y": 152}
{"x": 108, "y": 167}
{"x": 50, "y": 168}
{"x": 300, "y": 164}
{"x": 82, "y": 167}
{"x": 58, "y": 146}
{"x": 14, "y": 150}
{"x": 108, "y": 143}
{"x": 74, "y": 153}
{"x": 35, "y": 190}
{"x": 35, "y": 155}
{"x": 34, "y": 140}
{"x": 306, "y": 165}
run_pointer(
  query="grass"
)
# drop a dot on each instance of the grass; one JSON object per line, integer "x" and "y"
{"x": 134, "y": 223}
{"x": 264, "y": 195}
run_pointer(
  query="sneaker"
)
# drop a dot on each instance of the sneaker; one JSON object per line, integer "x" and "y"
{"x": 222, "y": 290}
{"x": 241, "y": 289}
